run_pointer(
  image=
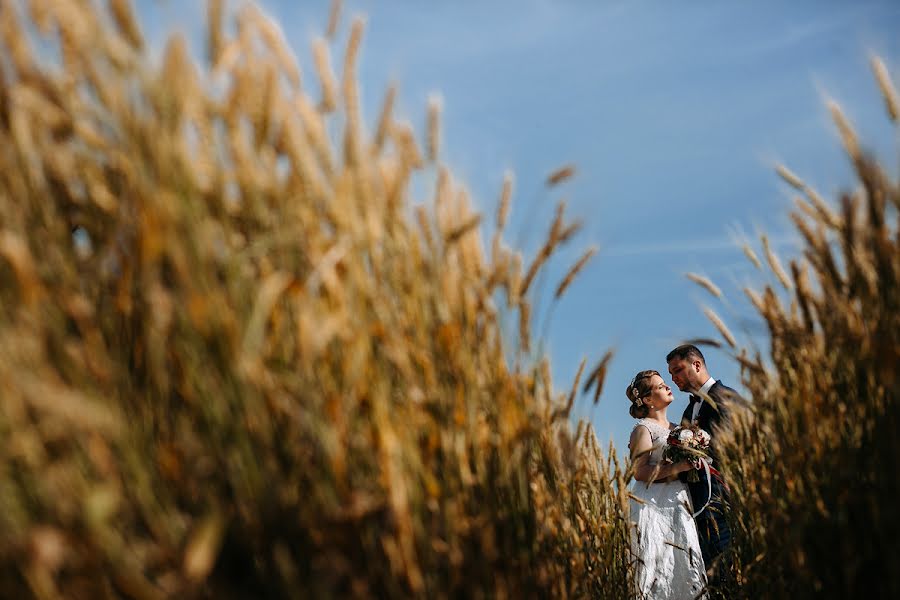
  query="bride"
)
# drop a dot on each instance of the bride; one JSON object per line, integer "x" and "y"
{"x": 664, "y": 537}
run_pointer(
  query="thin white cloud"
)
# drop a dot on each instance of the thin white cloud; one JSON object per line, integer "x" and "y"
{"x": 720, "y": 244}
{"x": 796, "y": 35}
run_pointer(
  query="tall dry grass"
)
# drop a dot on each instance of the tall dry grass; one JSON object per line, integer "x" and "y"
{"x": 814, "y": 465}
{"x": 237, "y": 361}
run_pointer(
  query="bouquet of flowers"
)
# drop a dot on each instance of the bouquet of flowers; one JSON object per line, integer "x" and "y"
{"x": 688, "y": 442}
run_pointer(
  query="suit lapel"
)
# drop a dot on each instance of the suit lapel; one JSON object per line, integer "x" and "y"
{"x": 709, "y": 415}
{"x": 703, "y": 415}
{"x": 686, "y": 415}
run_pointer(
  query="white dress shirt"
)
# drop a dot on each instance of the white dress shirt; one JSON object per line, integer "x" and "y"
{"x": 704, "y": 389}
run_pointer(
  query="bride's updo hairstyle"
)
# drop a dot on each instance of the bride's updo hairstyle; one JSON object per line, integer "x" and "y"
{"x": 637, "y": 390}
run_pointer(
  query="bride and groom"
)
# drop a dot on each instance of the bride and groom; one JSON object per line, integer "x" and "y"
{"x": 679, "y": 526}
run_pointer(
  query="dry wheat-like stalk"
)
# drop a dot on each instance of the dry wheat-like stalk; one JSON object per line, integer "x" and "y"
{"x": 322, "y": 60}
{"x": 459, "y": 231}
{"x": 790, "y": 177}
{"x": 503, "y": 204}
{"x": 433, "y": 128}
{"x": 775, "y": 263}
{"x": 334, "y": 15}
{"x": 525, "y": 325}
{"x": 720, "y": 326}
{"x": 514, "y": 280}
{"x": 705, "y": 283}
{"x": 570, "y": 401}
{"x": 848, "y": 135}
{"x": 888, "y": 91}
{"x": 574, "y": 271}
{"x": 384, "y": 120}
{"x": 127, "y": 24}
{"x": 561, "y": 174}
{"x": 826, "y": 214}
{"x": 215, "y": 14}
{"x": 751, "y": 255}
{"x": 597, "y": 376}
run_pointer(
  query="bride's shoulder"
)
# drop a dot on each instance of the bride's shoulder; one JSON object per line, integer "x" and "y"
{"x": 655, "y": 430}
{"x": 644, "y": 427}
{"x": 641, "y": 424}
{"x": 641, "y": 436}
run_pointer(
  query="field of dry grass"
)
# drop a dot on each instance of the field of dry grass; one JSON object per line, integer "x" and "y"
{"x": 815, "y": 464}
{"x": 236, "y": 359}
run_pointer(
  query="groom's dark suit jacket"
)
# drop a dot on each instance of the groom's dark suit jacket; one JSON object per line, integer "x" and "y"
{"x": 709, "y": 419}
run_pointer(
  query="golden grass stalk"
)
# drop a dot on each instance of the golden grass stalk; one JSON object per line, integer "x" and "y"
{"x": 751, "y": 255}
{"x": 790, "y": 177}
{"x": 561, "y": 174}
{"x": 848, "y": 136}
{"x": 274, "y": 38}
{"x": 385, "y": 119}
{"x": 570, "y": 401}
{"x": 514, "y": 281}
{"x": 597, "y": 376}
{"x": 720, "y": 326}
{"x": 434, "y": 128}
{"x": 350, "y": 94}
{"x": 525, "y": 325}
{"x": 203, "y": 548}
{"x": 322, "y": 59}
{"x": 126, "y": 22}
{"x": 574, "y": 271}
{"x": 826, "y": 214}
{"x": 888, "y": 91}
{"x": 17, "y": 254}
{"x": 402, "y": 134}
{"x": 334, "y": 16}
{"x": 705, "y": 283}
{"x": 553, "y": 239}
{"x": 215, "y": 14}
{"x": 459, "y": 231}
{"x": 775, "y": 263}
{"x": 505, "y": 197}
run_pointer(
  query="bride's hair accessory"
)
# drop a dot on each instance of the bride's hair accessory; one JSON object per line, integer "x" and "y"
{"x": 638, "y": 407}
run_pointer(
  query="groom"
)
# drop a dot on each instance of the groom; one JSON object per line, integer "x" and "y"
{"x": 688, "y": 370}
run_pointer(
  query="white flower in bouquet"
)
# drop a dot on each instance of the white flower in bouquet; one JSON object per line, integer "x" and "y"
{"x": 703, "y": 437}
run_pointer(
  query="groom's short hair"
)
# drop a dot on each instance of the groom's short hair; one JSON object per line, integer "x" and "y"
{"x": 687, "y": 352}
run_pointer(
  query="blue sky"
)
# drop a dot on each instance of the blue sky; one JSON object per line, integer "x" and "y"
{"x": 674, "y": 115}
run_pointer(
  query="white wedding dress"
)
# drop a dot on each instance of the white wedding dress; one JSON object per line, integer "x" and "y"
{"x": 664, "y": 537}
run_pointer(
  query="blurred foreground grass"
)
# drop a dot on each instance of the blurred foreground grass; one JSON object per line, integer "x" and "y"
{"x": 235, "y": 361}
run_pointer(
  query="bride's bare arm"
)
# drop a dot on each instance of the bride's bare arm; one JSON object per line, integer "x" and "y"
{"x": 641, "y": 445}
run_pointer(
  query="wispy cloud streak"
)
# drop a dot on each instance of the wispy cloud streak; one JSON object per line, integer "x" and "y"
{"x": 717, "y": 244}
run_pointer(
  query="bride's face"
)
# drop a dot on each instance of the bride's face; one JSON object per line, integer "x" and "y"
{"x": 660, "y": 393}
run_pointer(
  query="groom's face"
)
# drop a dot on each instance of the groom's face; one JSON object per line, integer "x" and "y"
{"x": 684, "y": 375}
